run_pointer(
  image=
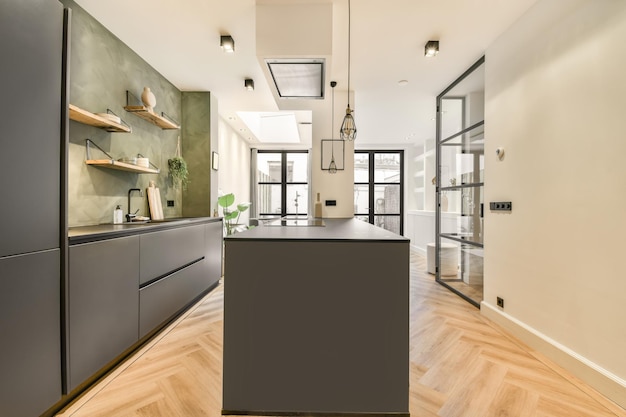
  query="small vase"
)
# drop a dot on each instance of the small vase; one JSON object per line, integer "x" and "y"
{"x": 148, "y": 99}
{"x": 444, "y": 202}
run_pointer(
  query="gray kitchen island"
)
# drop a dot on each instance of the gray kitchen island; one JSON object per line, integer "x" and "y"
{"x": 316, "y": 320}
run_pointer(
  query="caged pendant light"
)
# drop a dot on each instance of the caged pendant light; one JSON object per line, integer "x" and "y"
{"x": 348, "y": 127}
{"x": 332, "y": 167}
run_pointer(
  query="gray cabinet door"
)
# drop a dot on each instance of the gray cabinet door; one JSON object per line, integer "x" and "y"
{"x": 103, "y": 304}
{"x": 213, "y": 256}
{"x": 164, "y": 251}
{"x": 30, "y": 333}
{"x": 31, "y": 35}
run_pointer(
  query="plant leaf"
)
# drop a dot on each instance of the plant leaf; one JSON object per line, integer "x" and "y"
{"x": 243, "y": 206}
{"x": 231, "y": 215}
{"x": 226, "y": 200}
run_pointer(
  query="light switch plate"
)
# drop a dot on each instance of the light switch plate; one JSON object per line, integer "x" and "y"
{"x": 501, "y": 206}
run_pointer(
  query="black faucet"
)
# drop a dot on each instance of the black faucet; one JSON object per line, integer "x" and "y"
{"x": 129, "y": 217}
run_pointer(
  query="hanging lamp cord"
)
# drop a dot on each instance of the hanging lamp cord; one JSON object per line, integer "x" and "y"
{"x": 349, "y": 53}
{"x": 332, "y": 128}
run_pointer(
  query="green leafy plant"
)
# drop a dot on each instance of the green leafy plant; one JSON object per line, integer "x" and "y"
{"x": 231, "y": 216}
{"x": 178, "y": 170}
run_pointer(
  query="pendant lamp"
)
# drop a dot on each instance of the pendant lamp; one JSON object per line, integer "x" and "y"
{"x": 348, "y": 127}
{"x": 332, "y": 167}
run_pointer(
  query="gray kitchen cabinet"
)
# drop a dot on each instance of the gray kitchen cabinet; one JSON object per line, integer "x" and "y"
{"x": 164, "y": 298}
{"x": 31, "y": 40}
{"x": 164, "y": 251}
{"x": 103, "y": 304}
{"x": 30, "y": 333}
{"x": 32, "y": 99}
{"x": 110, "y": 311}
{"x": 213, "y": 251}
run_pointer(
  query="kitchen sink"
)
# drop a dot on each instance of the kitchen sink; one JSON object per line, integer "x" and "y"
{"x": 150, "y": 221}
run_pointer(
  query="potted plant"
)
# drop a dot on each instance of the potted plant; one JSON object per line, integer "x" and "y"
{"x": 231, "y": 216}
{"x": 178, "y": 168}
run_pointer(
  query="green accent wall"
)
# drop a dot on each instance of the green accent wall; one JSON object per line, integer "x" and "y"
{"x": 197, "y": 125}
{"x": 102, "y": 68}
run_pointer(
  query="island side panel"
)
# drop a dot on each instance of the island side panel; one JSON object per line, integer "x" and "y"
{"x": 316, "y": 327}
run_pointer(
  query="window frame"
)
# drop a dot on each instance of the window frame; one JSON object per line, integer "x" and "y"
{"x": 283, "y": 182}
{"x": 371, "y": 186}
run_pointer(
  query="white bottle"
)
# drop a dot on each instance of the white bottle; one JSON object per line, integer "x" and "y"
{"x": 118, "y": 215}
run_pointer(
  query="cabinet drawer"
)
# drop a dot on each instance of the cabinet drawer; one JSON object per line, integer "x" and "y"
{"x": 164, "y": 251}
{"x": 103, "y": 304}
{"x": 162, "y": 299}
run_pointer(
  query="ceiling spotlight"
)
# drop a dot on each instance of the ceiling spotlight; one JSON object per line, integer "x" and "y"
{"x": 431, "y": 48}
{"x": 249, "y": 84}
{"x": 227, "y": 43}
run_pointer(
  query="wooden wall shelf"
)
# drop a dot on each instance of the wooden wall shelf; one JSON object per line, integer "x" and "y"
{"x": 86, "y": 117}
{"x": 111, "y": 163}
{"x": 152, "y": 117}
{"x": 121, "y": 166}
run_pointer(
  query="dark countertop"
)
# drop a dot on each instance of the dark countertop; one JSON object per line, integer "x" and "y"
{"x": 333, "y": 229}
{"x": 83, "y": 234}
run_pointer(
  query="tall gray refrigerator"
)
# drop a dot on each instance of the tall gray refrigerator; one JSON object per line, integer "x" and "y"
{"x": 31, "y": 220}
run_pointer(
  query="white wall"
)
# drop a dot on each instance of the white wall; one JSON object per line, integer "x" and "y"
{"x": 338, "y": 186}
{"x": 555, "y": 100}
{"x": 234, "y": 166}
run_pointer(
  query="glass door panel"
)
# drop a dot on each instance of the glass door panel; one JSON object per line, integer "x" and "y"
{"x": 462, "y": 214}
{"x": 460, "y": 183}
{"x": 269, "y": 167}
{"x": 361, "y": 200}
{"x": 282, "y": 183}
{"x": 378, "y": 188}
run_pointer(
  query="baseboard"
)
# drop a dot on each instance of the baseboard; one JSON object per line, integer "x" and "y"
{"x": 312, "y": 414}
{"x": 419, "y": 250}
{"x": 605, "y": 382}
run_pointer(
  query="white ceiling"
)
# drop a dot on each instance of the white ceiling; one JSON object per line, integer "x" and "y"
{"x": 180, "y": 39}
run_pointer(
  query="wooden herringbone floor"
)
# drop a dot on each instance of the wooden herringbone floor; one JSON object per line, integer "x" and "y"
{"x": 461, "y": 365}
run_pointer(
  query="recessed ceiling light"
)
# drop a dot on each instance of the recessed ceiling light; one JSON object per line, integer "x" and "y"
{"x": 403, "y": 82}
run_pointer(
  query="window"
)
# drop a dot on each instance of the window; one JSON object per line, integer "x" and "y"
{"x": 282, "y": 180}
{"x": 378, "y": 188}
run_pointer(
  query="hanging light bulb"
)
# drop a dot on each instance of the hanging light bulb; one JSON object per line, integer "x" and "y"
{"x": 332, "y": 168}
{"x": 348, "y": 127}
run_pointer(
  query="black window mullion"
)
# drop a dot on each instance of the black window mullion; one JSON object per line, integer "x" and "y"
{"x": 371, "y": 187}
{"x": 283, "y": 184}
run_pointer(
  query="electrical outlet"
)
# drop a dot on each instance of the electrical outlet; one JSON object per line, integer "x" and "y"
{"x": 501, "y": 206}
{"x": 500, "y": 302}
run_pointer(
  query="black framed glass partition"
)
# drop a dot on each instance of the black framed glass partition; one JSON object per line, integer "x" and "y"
{"x": 379, "y": 188}
{"x": 459, "y": 185}
{"x": 282, "y": 181}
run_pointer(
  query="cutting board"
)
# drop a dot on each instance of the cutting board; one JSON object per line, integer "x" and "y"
{"x": 154, "y": 201}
